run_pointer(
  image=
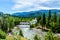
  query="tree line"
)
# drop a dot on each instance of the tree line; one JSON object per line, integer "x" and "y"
{"x": 52, "y": 21}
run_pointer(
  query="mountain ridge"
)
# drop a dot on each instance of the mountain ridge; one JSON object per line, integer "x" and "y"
{"x": 35, "y": 13}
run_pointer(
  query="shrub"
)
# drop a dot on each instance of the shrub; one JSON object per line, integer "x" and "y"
{"x": 2, "y": 34}
{"x": 49, "y": 36}
{"x": 37, "y": 37}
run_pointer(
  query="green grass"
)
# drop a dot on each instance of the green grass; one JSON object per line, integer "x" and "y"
{"x": 13, "y": 37}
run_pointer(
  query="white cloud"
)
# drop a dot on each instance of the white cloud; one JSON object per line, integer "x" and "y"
{"x": 31, "y": 5}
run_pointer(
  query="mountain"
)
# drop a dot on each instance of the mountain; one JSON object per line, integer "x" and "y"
{"x": 27, "y": 14}
{"x": 1, "y": 13}
{"x": 35, "y": 13}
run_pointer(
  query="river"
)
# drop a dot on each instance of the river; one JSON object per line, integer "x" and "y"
{"x": 30, "y": 33}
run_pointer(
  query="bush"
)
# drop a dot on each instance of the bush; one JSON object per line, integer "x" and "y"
{"x": 49, "y": 36}
{"x": 32, "y": 26}
{"x": 37, "y": 37}
{"x": 2, "y": 34}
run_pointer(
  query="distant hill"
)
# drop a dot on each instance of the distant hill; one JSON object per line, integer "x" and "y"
{"x": 1, "y": 13}
{"x": 35, "y": 13}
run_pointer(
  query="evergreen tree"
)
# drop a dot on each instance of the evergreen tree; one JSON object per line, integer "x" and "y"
{"x": 58, "y": 26}
{"x": 38, "y": 19}
{"x": 49, "y": 19}
{"x": 43, "y": 20}
{"x": 21, "y": 33}
{"x": 59, "y": 21}
{"x": 55, "y": 17}
{"x": 49, "y": 15}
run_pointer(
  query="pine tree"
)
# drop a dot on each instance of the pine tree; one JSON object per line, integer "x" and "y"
{"x": 59, "y": 21}
{"x": 43, "y": 20}
{"x": 49, "y": 19}
{"x": 21, "y": 33}
{"x": 49, "y": 15}
{"x": 55, "y": 17}
{"x": 38, "y": 19}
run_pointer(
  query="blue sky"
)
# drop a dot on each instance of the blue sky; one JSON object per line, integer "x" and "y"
{"x": 11, "y": 6}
